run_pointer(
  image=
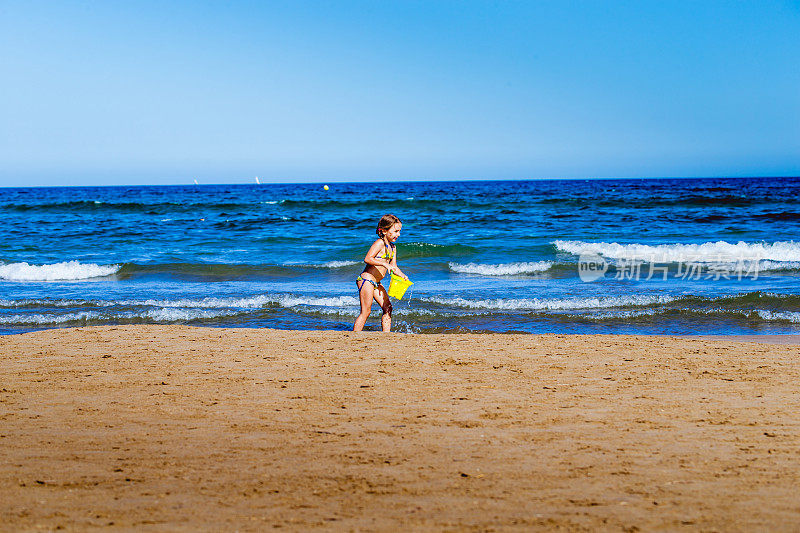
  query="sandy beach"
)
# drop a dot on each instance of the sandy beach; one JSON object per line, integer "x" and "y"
{"x": 181, "y": 428}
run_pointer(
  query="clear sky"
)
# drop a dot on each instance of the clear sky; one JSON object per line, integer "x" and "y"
{"x": 169, "y": 91}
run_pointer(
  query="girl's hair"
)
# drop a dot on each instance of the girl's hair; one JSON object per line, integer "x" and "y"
{"x": 386, "y": 222}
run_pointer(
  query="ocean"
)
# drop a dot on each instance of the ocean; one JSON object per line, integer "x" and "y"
{"x": 649, "y": 256}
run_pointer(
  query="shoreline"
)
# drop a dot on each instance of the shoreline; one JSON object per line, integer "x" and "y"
{"x": 765, "y": 338}
{"x": 185, "y": 428}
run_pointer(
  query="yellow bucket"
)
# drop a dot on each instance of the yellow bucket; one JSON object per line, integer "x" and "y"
{"x": 398, "y": 287}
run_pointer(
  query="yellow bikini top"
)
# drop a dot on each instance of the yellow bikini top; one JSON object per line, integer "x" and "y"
{"x": 388, "y": 253}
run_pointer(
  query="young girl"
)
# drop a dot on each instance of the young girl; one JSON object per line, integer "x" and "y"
{"x": 380, "y": 259}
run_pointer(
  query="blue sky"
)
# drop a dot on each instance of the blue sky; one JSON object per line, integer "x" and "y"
{"x": 167, "y": 92}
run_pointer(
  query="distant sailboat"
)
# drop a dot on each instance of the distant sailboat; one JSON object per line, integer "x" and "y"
{"x": 195, "y": 182}
{"x": 257, "y": 182}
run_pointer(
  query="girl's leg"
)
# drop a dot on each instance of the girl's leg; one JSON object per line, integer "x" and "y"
{"x": 365, "y": 290}
{"x": 382, "y": 297}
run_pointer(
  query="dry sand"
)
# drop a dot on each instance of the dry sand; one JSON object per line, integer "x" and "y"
{"x": 180, "y": 428}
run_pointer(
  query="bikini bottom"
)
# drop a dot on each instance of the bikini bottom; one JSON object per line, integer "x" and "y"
{"x": 374, "y": 283}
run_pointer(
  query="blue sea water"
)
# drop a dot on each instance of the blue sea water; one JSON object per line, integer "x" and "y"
{"x": 676, "y": 256}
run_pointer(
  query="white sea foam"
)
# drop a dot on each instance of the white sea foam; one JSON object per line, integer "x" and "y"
{"x": 505, "y": 269}
{"x": 779, "y": 315}
{"x": 605, "y": 315}
{"x": 250, "y": 302}
{"x": 156, "y": 315}
{"x": 536, "y": 304}
{"x": 333, "y": 301}
{"x": 338, "y": 264}
{"x": 48, "y": 319}
{"x": 763, "y": 314}
{"x": 779, "y": 265}
{"x": 326, "y": 264}
{"x": 173, "y": 314}
{"x": 334, "y": 311}
{"x": 720, "y": 251}
{"x": 354, "y": 310}
{"x": 231, "y": 303}
{"x": 68, "y": 271}
{"x": 53, "y": 303}
{"x": 208, "y": 303}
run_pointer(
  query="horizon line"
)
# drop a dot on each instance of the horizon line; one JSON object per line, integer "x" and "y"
{"x": 262, "y": 181}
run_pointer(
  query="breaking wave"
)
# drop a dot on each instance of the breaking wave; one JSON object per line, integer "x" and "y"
{"x": 67, "y": 271}
{"x": 720, "y": 251}
{"x": 507, "y": 269}
{"x": 536, "y": 304}
{"x": 151, "y": 315}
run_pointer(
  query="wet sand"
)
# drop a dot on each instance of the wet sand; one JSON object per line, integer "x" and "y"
{"x": 180, "y": 428}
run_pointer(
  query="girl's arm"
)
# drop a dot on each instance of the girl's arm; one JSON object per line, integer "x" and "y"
{"x": 372, "y": 255}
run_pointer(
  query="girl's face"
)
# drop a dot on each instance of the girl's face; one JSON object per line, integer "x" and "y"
{"x": 394, "y": 232}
